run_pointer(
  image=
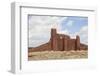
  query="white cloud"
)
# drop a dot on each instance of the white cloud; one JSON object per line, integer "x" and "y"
{"x": 70, "y": 23}
{"x": 40, "y": 28}
{"x": 83, "y": 33}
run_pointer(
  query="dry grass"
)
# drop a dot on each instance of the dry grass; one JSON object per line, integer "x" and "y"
{"x": 45, "y": 55}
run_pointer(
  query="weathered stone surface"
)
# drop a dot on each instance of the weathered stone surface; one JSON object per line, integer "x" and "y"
{"x": 77, "y": 42}
{"x": 60, "y": 42}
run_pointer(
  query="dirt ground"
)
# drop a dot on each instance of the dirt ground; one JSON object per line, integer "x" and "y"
{"x": 48, "y": 55}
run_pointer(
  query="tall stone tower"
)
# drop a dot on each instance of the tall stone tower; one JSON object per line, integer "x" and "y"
{"x": 77, "y": 42}
{"x": 54, "y": 39}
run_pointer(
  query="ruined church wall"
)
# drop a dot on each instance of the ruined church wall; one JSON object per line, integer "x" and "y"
{"x": 60, "y": 42}
{"x": 44, "y": 47}
{"x": 72, "y": 44}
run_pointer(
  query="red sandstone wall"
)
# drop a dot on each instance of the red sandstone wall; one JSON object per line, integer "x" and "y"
{"x": 72, "y": 44}
{"x": 43, "y": 47}
{"x": 54, "y": 41}
{"x": 65, "y": 43}
{"x": 60, "y": 42}
{"x": 83, "y": 47}
{"x": 77, "y": 42}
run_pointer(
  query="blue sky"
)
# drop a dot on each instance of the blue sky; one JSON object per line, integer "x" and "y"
{"x": 74, "y": 23}
{"x": 40, "y": 28}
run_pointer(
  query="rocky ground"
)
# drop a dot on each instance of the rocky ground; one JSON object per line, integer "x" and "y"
{"x": 48, "y": 55}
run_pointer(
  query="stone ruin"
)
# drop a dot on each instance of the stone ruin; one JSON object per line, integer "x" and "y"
{"x": 60, "y": 42}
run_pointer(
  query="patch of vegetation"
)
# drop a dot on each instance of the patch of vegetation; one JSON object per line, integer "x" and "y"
{"x": 47, "y": 55}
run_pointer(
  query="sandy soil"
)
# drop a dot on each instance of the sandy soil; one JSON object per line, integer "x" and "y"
{"x": 48, "y": 55}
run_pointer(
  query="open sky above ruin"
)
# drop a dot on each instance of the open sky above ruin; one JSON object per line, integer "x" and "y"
{"x": 40, "y": 28}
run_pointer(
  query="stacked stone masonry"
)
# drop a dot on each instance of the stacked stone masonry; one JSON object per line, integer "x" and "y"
{"x": 60, "y": 42}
